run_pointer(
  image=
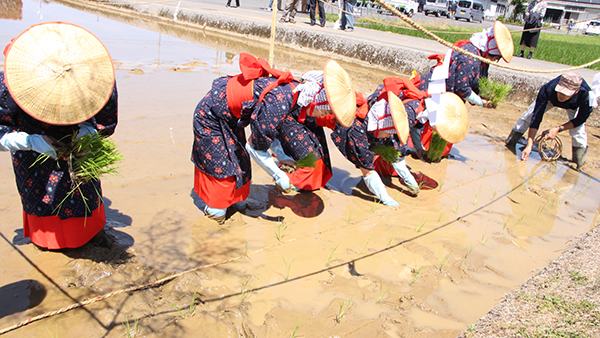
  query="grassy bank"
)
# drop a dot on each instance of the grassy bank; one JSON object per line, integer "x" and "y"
{"x": 572, "y": 50}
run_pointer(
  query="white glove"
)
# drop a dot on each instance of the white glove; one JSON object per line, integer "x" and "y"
{"x": 18, "y": 140}
{"x": 278, "y": 151}
{"x": 375, "y": 185}
{"x": 41, "y": 146}
{"x": 475, "y": 99}
{"x": 86, "y": 127}
{"x": 15, "y": 140}
{"x": 266, "y": 162}
{"x": 408, "y": 178}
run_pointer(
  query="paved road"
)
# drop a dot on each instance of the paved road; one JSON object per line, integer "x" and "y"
{"x": 254, "y": 10}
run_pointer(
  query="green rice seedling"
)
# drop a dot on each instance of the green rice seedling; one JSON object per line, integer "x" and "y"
{"x": 364, "y": 246}
{"x": 443, "y": 261}
{"x": 477, "y": 197}
{"x": 382, "y": 293}
{"x": 441, "y": 215}
{"x": 55, "y": 332}
{"x": 484, "y": 237}
{"x": 374, "y": 205}
{"x": 440, "y": 186}
{"x": 333, "y": 253}
{"x": 484, "y": 170}
{"x": 387, "y": 153}
{"x": 130, "y": 332}
{"x": 493, "y": 91}
{"x": 470, "y": 250}
{"x": 281, "y": 226}
{"x": 178, "y": 310}
{"x": 521, "y": 219}
{"x": 504, "y": 224}
{"x": 308, "y": 161}
{"x": 298, "y": 324}
{"x": 415, "y": 275}
{"x": 349, "y": 217}
{"x": 418, "y": 229}
{"x": 287, "y": 267}
{"x": 245, "y": 293}
{"x": 192, "y": 309}
{"x": 343, "y": 309}
{"x": 456, "y": 209}
{"x": 436, "y": 148}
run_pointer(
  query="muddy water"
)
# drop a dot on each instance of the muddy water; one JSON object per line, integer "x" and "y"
{"x": 284, "y": 266}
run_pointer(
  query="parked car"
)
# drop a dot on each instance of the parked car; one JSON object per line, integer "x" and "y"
{"x": 593, "y": 28}
{"x": 470, "y": 11}
{"x": 406, "y": 7}
{"x": 437, "y": 8}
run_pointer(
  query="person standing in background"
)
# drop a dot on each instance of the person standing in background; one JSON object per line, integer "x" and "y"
{"x": 533, "y": 19}
{"x": 290, "y": 11}
{"x": 237, "y": 4}
{"x": 312, "y": 8}
{"x": 347, "y": 22}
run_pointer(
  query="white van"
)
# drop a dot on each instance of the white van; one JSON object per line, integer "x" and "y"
{"x": 408, "y": 7}
{"x": 593, "y": 28}
{"x": 437, "y": 8}
{"x": 469, "y": 10}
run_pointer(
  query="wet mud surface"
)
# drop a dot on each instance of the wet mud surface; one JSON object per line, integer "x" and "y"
{"x": 329, "y": 263}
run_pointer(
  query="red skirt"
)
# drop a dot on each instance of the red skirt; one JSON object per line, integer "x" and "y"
{"x": 53, "y": 233}
{"x": 219, "y": 193}
{"x": 311, "y": 178}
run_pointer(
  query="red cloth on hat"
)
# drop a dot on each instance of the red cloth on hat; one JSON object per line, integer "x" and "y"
{"x": 240, "y": 87}
{"x": 219, "y": 193}
{"x": 53, "y": 233}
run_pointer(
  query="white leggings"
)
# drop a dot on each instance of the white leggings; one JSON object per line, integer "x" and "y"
{"x": 578, "y": 134}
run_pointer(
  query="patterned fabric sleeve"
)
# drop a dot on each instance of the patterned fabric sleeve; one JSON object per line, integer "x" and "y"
{"x": 106, "y": 119}
{"x": 8, "y": 107}
{"x": 464, "y": 73}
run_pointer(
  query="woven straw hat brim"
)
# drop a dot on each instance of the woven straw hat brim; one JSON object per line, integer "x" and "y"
{"x": 452, "y": 118}
{"x": 340, "y": 94}
{"x": 59, "y": 73}
{"x": 504, "y": 41}
{"x": 399, "y": 117}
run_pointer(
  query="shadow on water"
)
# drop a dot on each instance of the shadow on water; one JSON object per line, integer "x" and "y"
{"x": 20, "y": 296}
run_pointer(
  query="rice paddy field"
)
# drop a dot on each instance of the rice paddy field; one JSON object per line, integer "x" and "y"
{"x": 330, "y": 263}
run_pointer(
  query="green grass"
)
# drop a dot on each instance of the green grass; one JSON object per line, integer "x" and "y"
{"x": 558, "y": 48}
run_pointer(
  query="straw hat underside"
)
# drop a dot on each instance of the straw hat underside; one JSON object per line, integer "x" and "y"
{"x": 340, "y": 95}
{"x": 59, "y": 73}
{"x": 452, "y": 118}
{"x": 399, "y": 117}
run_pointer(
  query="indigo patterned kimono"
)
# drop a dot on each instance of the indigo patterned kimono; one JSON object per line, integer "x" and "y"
{"x": 219, "y": 136}
{"x": 45, "y": 187}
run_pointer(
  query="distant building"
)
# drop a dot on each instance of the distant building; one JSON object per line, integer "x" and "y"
{"x": 559, "y": 11}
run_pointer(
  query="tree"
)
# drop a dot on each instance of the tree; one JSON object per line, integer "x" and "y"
{"x": 519, "y": 8}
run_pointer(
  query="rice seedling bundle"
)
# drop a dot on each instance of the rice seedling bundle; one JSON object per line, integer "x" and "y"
{"x": 493, "y": 91}
{"x": 308, "y": 161}
{"x": 388, "y": 153}
{"x": 436, "y": 148}
{"x": 88, "y": 157}
{"x": 92, "y": 156}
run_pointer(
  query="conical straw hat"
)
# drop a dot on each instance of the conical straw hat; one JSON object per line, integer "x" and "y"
{"x": 452, "y": 121}
{"x": 399, "y": 117}
{"x": 504, "y": 41}
{"x": 340, "y": 94}
{"x": 59, "y": 73}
